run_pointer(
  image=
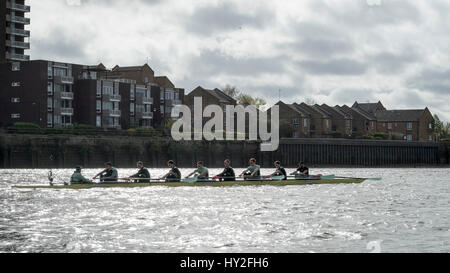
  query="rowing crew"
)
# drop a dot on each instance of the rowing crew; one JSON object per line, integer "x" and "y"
{"x": 252, "y": 172}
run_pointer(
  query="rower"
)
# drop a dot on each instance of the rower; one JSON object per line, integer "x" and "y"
{"x": 109, "y": 174}
{"x": 252, "y": 172}
{"x": 302, "y": 170}
{"x": 78, "y": 178}
{"x": 174, "y": 175}
{"x": 201, "y": 172}
{"x": 228, "y": 172}
{"x": 143, "y": 174}
{"x": 279, "y": 171}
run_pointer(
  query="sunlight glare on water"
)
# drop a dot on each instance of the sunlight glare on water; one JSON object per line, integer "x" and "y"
{"x": 407, "y": 211}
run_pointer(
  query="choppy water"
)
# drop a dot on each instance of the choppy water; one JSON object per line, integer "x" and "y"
{"x": 408, "y": 211}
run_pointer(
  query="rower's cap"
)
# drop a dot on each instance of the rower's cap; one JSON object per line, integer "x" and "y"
{"x": 108, "y": 164}
{"x": 302, "y": 163}
{"x": 78, "y": 168}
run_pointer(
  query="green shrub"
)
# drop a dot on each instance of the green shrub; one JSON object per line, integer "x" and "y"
{"x": 26, "y": 125}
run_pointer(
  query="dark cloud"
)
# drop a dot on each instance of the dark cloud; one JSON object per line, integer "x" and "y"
{"x": 341, "y": 66}
{"x": 388, "y": 63}
{"x": 114, "y": 2}
{"x": 434, "y": 81}
{"x": 320, "y": 47}
{"x": 212, "y": 63}
{"x": 65, "y": 47}
{"x": 224, "y": 17}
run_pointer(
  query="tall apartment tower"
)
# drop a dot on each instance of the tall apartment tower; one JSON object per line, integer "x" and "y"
{"x": 14, "y": 39}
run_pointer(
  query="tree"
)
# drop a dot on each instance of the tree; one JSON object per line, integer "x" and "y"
{"x": 441, "y": 129}
{"x": 243, "y": 98}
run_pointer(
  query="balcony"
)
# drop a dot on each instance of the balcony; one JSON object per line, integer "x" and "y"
{"x": 18, "y": 44}
{"x": 115, "y": 113}
{"x": 147, "y": 115}
{"x": 115, "y": 98}
{"x": 18, "y": 19}
{"x": 64, "y": 79}
{"x": 67, "y": 111}
{"x": 67, "y": 95}
{"x": 18, "y": 7}
{"x": 18, "y": 32}
{"x": 17, "y": 57}
{"x": 146, "y": 100}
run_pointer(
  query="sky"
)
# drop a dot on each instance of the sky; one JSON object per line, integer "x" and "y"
{"x": 322, "y": 51}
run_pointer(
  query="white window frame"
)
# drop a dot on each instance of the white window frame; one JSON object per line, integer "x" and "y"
{"x": 409, "y": 137}
{"x": 409, "y": 126}
{"x": 15, "y": 100}
{"x": 15, "y": 67}
{"x": 15, "y": 84}
{"x": 15, "y": 116}
{"x": 305, "y": 123}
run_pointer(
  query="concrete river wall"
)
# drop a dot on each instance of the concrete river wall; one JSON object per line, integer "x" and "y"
{"x": 59, "y": 151}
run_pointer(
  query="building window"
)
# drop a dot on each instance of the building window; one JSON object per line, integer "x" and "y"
{"x": 295, "y": 121}
{"x": 99, "y": 121}
{"x": 15, "y": 84}
{"x": 99, "y": 106}
{"x": 60, "y": 72}
{"x": 15, "y": 116}
{"x": 50, "y": 88}
{"x": 409, "y": 126}
{"x": 389, "y": 126}
{"x": 409, "y": 137}
{"x": 305, "y": 123}
{"x": 15, "y": 67}
{"x": 372, "y": 124}
{"x": 15, "y": 100}
{"x": 430, "y": 125}
{"x": 295, "y": 135}
{"x": 430, "y": 138}
{"x": 349, "y": 124}
{"x": 49, "y": 120}
{"x": 327, "y": 123}
{"x": 50, "y": 72}
{"x": 131, "y": 93}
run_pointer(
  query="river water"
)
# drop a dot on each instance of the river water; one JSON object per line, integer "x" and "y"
{"x": 407, "y": 211}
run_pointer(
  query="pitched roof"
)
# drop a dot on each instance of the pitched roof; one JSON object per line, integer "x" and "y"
{"x": 369, "y": 107}
{"x": 130, "y": 68}
{"x": 163, "y": 81}
{"x": 303, "y": 112}
{"x": 310, "y": 108}
{"x": 361, "y": 112}
{"x": 217, "y": 93}
{"x": 337, "y": 108}
{"x": 399, "y": 115}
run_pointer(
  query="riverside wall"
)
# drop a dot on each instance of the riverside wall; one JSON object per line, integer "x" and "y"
{"x": 60, "y": 151}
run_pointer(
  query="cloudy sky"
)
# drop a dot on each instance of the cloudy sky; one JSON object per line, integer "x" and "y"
{"x": 331, "y": 52}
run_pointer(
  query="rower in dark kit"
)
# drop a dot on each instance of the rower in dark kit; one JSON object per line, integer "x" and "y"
{"x": 228, "y": 172}
{"x": 109, "y": 174}
{"x": 78, "y": 178}
{"x": 279, "y": 171}
{"x": 302, "y": 170}
{"x": 252, "y": 172}
{"x": 174, "y": 175}
{"x": 143, "y": 175}
{"x": 201, "y": 172}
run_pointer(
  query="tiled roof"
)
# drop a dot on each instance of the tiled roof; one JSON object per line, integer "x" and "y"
{"x": 399, "y": 115}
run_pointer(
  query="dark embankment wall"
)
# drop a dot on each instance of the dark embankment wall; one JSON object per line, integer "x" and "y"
{"x": 31, "y": 151}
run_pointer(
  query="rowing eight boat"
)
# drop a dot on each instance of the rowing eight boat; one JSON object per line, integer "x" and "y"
{"x": 195, "y": 184}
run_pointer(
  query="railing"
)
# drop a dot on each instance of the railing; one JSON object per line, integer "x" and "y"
{"x": 67, "y": 111}
{"x": 64, "y": 79}
{"x": 67, "y": 95}
{"x": 16, "y": 31}
{"x": 115, "y": 113}
{"x": 17, "y": 19}
{"x": 17, "y": 57}
{"x": 147, "y": 115}
{"x": 115, "y": 98}
{"x": 147, "y": 100}
{"x": 18, "y": 44}
{"x": 18, "y": 7}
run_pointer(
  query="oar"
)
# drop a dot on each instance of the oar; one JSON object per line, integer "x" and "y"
{"x": 365, "y": 178}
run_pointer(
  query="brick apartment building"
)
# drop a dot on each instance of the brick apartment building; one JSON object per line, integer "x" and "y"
{"x": 53, "y": 94}
{"x": 14, "y": 37}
